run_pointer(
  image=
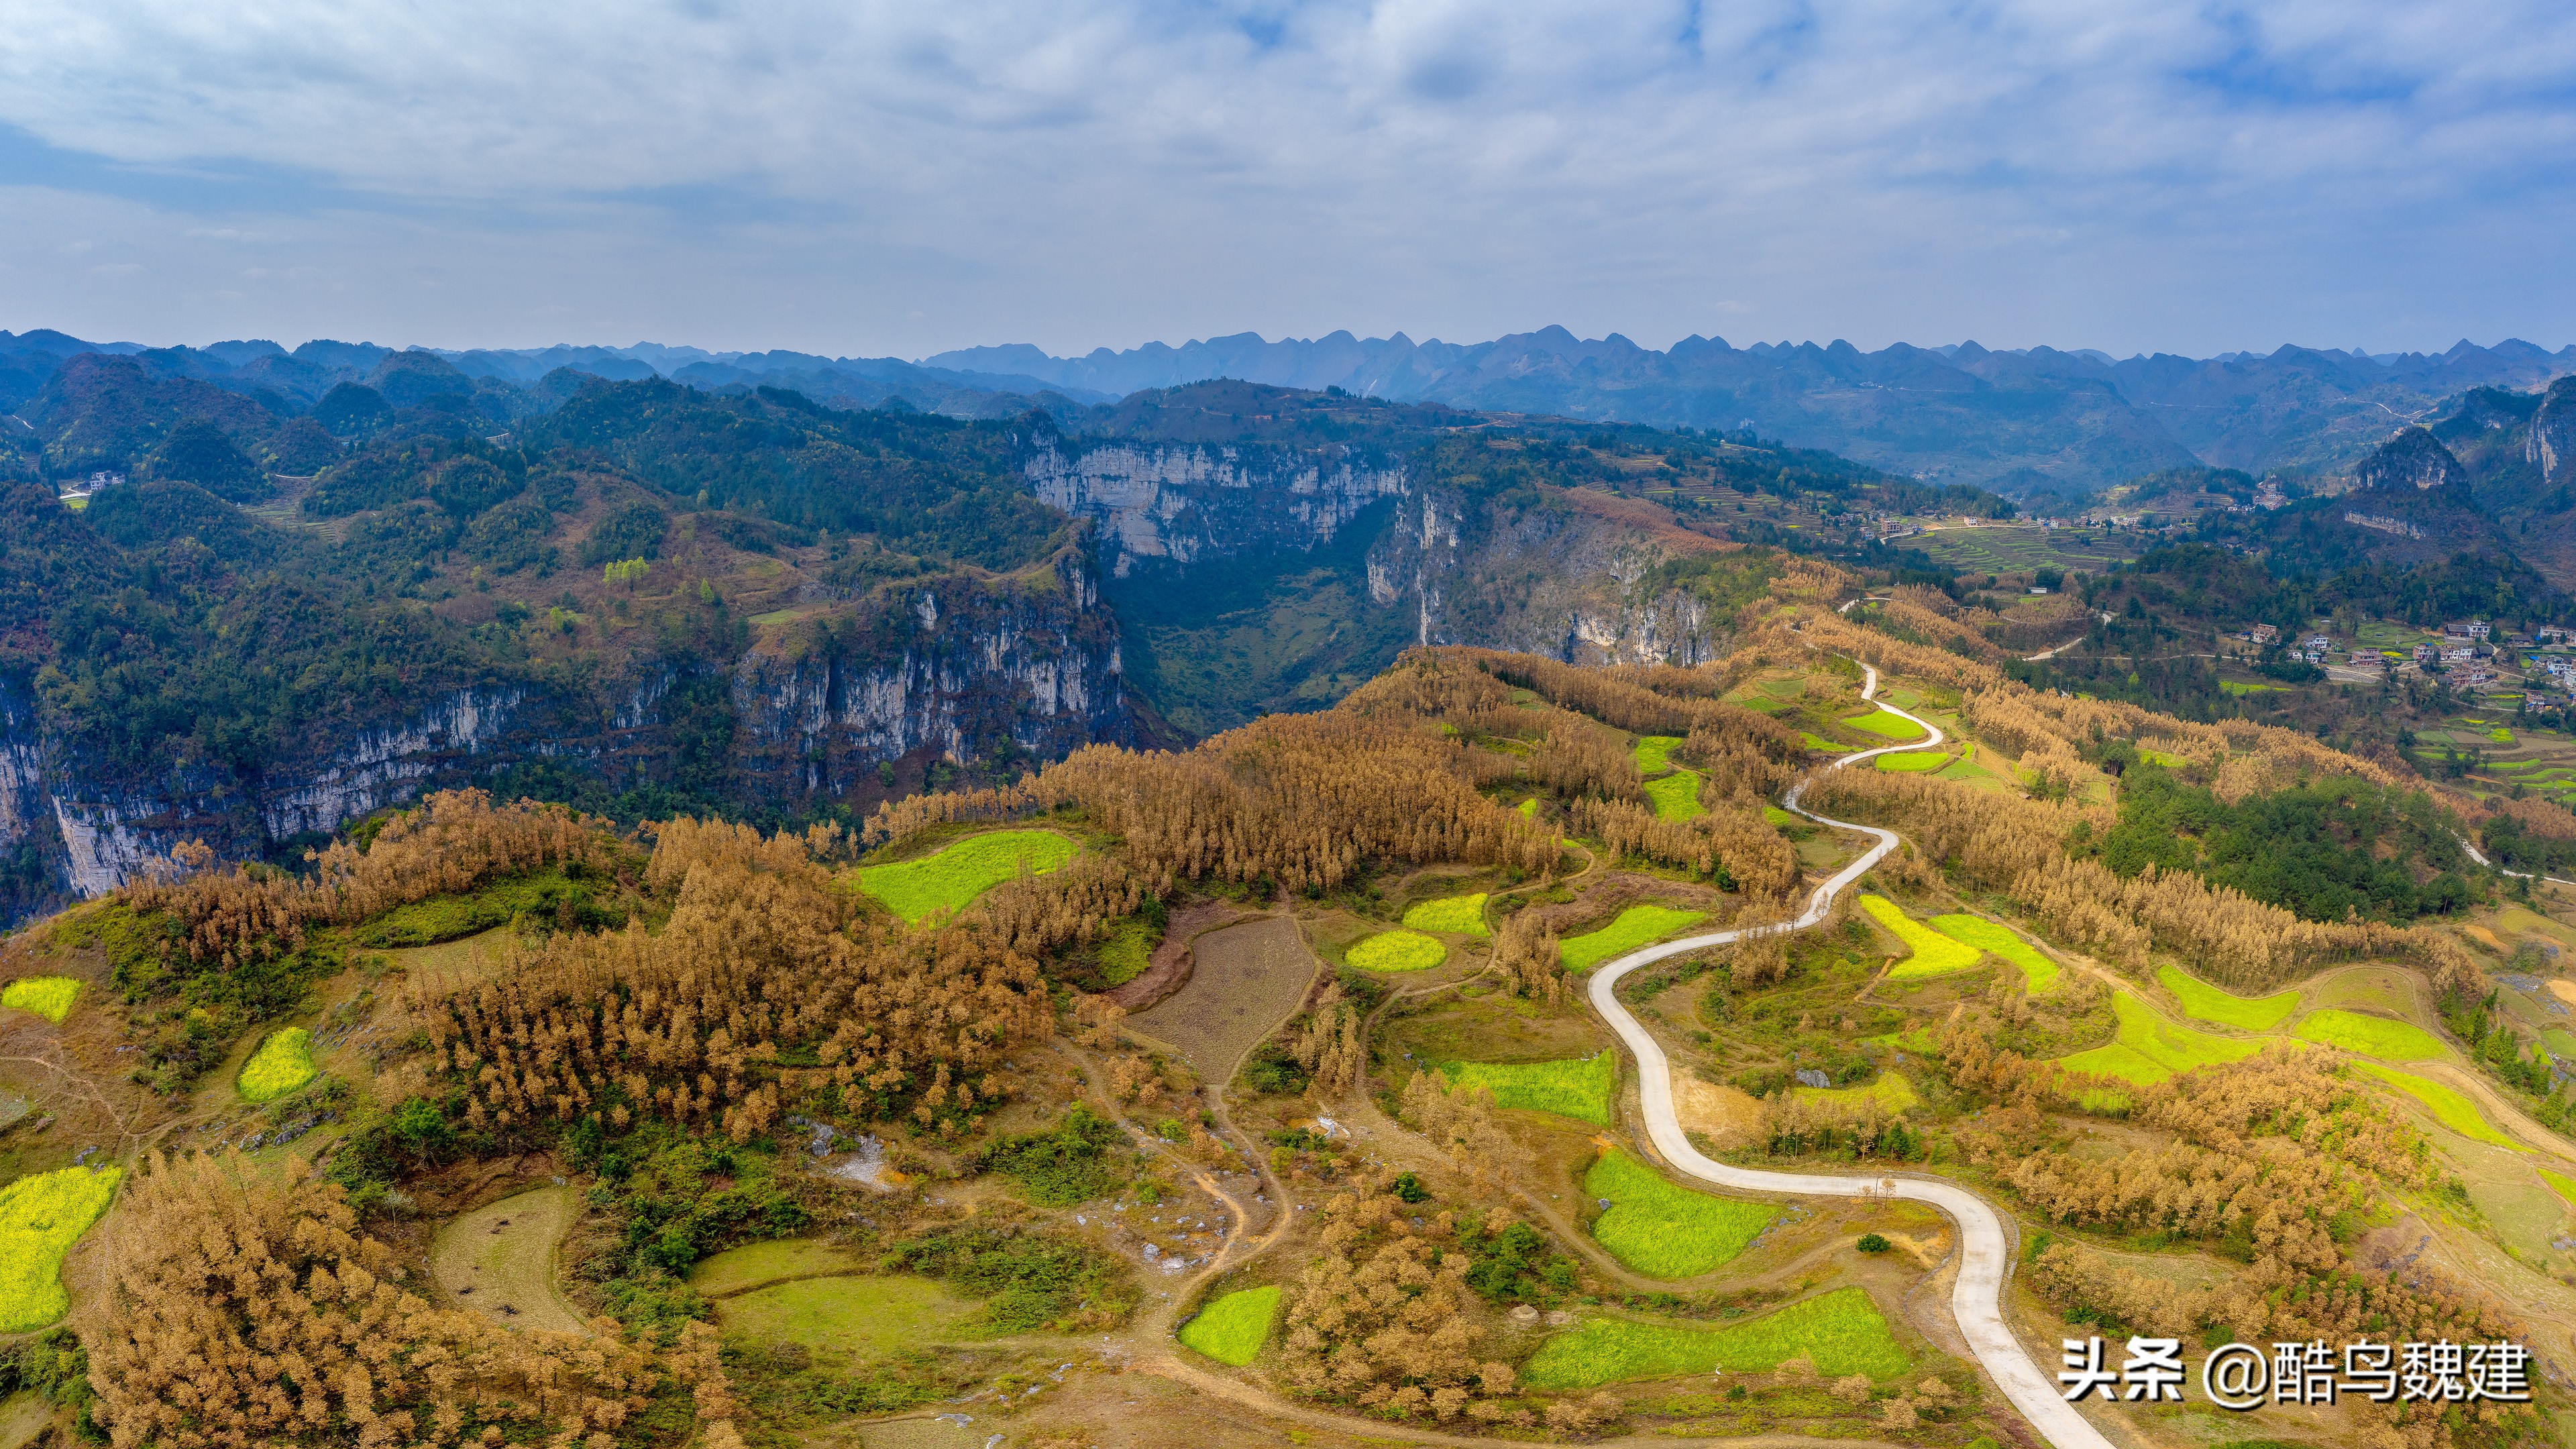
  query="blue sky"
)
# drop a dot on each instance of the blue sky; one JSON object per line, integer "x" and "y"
{"x": 862, "y": 179}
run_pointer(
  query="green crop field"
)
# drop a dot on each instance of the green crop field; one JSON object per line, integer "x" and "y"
{"x": 1934, "y": 953}
{"x": 2204, "y": 1002}
{"x": 1890, "y": 1091}
{"x": 47, "y": 996}
{"x": 1528, "y": 808}
{"x": 1396, "y": 951}
{"x": 1654, "y": 753}
{"x": 40, "y": 1218}
{"x": 2038, "y": 972}
{"x": 1915, "y": 763}
{"x": 948, "y": 880}
{"x": 1233, "y": 1328}
{"x": 1635, "y": 927}
{"x": 2150, "y": 1049}
{"x": 1676, "y": 796}
{"x": 1774, "y": 815}
{"x": 1580, "y": 1088}
{"x": 1663, "y": 1230}
{"x": 2448, "y": 1107}
{"x": 283, "y": 1063}
{"x": 1889, "y": 726}
{"x": 2561, "y": 1184}
{"x": 2371, "y": 1036}
{"x": 1458, "y": 915}
{"x": 1822, "y": 746}
{"x": 2241, "y": 686}
{"x": 1841, "y": 1331}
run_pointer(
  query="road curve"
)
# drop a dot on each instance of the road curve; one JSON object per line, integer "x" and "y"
{"x": 1985, "y": 1249}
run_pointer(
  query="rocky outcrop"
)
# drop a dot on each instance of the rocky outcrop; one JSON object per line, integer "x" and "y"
{"x": 961, "y": 667}
{"x": 2551, "y": 442}
{"x": 1190, "y": 503}
{"x": 1550, "y": 580}
{"x": 2412, "y": 459}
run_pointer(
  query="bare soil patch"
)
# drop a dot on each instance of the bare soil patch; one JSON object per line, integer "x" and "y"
{"x": 1168, "y": 970}
{"x": 1728, "y": 1116}
{"x": 499, "y": 1260}
{"x": 1244, "y": 981}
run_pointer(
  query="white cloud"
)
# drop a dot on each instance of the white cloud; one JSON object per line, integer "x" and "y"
{"x": 879, "y": 177}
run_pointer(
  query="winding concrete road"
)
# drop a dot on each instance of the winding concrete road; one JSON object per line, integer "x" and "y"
{"x": 1985, "y": 1248}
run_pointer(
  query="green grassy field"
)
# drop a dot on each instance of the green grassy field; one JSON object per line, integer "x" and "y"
{"x": 1127, "y": 949}
{"x": 1676, "y": 796}
{"x": 1233, "y": 1328}
{"x": 1458, "y": 915}
{"x": 1890, "y": 1091}
{"x": 856, "y": 1317}
{"x": 1667, "y": 1231}
{"x": 2448, "y": 1107}
{"x": 1822, "y": 746}
{"x": 2038, "y": 972}
{"x": 2371, "y": 1036}
{"x": 1580, "y": 1088}
{"x": 1635, "y": 927}
{"x": 2204, "y": 1002}
{"x": 1396, "y": 951}
{"x": 753, "y": 1264}
{"x": 2241, "y": 686}
{"x": 1934, "y": 953}
{"x": 1841, "y": 1331}
{"x": 1885, "y": 725}
{"x": 1774, "y": 815}
{"x": 948, "y": 880}
{"x": 1916, "y": 763}
{"x": 1654, "y": 753}
{"x": 2150, "y": 1049}
{"x": 47, "y": 996}
{"x": 283, "y": 1063}
{"x": 40, "y": 1218}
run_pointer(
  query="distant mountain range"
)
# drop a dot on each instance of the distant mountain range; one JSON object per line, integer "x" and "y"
{"x": 2029, "y": 423}
{"x": 2037, "y": 424}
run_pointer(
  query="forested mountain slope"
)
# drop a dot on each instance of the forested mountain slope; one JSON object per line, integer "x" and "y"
{"x": 1256, "y": 1080}
{"x": 239, "y": 618}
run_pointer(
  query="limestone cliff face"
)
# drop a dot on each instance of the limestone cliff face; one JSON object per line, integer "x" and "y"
{"x": 1552, "y": 580}
{"x": 962, "y": 667}
{"x": 2551, "y": 442}
{"x": 959, "y": 666}
{"x": 1196, "y": 502}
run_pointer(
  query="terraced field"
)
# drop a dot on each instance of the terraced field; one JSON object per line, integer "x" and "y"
{"x": 1934, "y": 954}
{"x": 948, "y": 880}
{"x": 1664, "y": 1230}
{"x": 1634, "y": 927}
{"x": 2204, "y": 1002}
{"x": 2371, "y": 1036}
{"x": 1890, "y": 1091}
{"x": 2149, "y": 1049}
{"x": 2038, "y": 972}
{"x": 1580, "y": 1089}
{"x": 1842, "y": 1332}
{"x": 2449, "y": 1108}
